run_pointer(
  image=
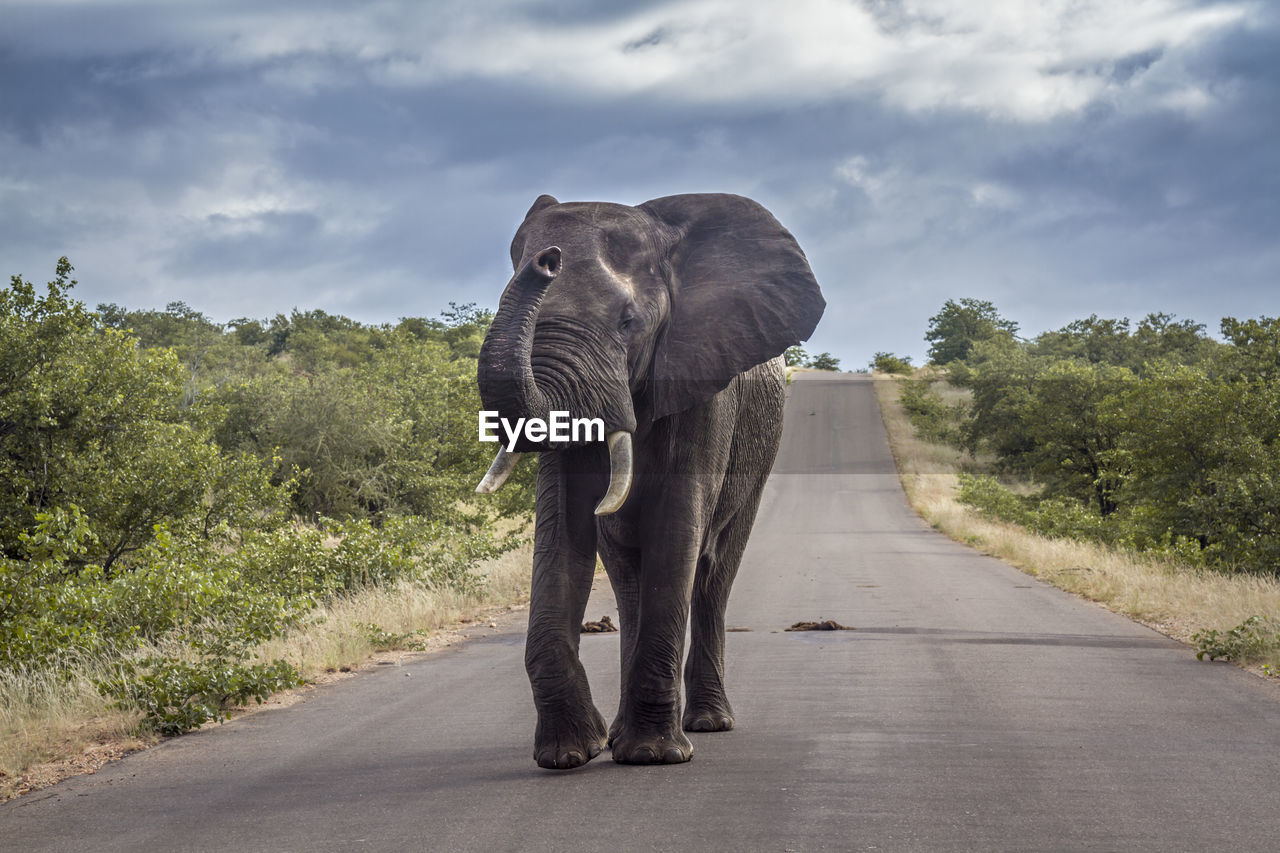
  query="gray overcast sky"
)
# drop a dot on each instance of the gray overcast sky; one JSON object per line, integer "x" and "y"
{"x": 1057, "y": 157}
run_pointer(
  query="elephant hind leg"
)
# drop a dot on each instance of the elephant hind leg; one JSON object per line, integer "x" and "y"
{"x": 755, "y": 444}
{"x": 707, "y": 707}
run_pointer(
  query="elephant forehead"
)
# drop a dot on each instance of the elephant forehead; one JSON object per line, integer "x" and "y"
{"x": 582, "y": 230}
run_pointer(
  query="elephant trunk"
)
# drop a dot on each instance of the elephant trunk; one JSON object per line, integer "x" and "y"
{"x": 505, "y": 371}
{"x": 509, "y": 386}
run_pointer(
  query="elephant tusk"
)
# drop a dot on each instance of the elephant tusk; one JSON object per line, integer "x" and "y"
{"x": 621, "y": 466}
{"x": 503, "y": 464}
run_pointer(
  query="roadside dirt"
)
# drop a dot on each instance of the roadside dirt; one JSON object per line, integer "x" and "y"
{"x": 485, "y": 621}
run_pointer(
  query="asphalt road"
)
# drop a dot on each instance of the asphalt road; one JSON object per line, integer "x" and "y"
{"x": 973, "y": 708}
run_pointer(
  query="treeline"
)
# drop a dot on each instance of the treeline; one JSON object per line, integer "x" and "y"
{"x": 176, "y": 483}
{"x": 1153, "y": 435}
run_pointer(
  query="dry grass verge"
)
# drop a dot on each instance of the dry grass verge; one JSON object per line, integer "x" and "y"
{"x": 1175, "y": 599}
{"x": 55, "y": 726}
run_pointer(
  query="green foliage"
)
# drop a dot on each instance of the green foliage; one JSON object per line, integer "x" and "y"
{"x": 887, "y": 362}
{"x": 824, "y": 361}
{"x": 1255, "y": 349}
{"x": 959, "y": 325}
{"x": 1157, "y": 439}
{"x": 393, "y": 434}
{"x": 1157, "y": 339}
{"x": 796, "y": 357}
{"x": 383, "y": 640}
{"x": 1250, "y": 640}
{"x": 993, "y": 500}
{"x": 175, "y": 484}
{"x": 177, "y": 696}
{"x": 1073, "y": 443}
{"x": 92, "y": 420}
{"x": 932, "y": 419}
{"x": 1058, "y": 517}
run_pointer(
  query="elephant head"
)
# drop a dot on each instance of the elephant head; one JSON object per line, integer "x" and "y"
{"x": 630, "y": 314}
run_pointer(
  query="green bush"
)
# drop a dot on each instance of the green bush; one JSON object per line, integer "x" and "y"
{"x": 177, "y": 696}
{"x": 824, "y": 361}
{"x": 1251, "y": 639}
{"x": 993, "y": 500}
{"x": 887, "y": 362}
{"x": 177, "y": 485}
{"x": 1155, "y": 438}
{"x": 932, "y": 419}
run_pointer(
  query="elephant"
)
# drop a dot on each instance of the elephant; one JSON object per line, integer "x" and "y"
{"x": 666, "y": 321}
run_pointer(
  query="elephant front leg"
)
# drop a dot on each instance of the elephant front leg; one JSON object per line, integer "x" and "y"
{"x": 649, "y": 730}
{"x": 570, "y": 731}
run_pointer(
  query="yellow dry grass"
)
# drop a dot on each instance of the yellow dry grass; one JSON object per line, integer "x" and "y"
{"x": 54, "y": 725}
{"x": 336, "y": 637}
{"x": 58, "y": 717}
{"x": 1176, "y": 599}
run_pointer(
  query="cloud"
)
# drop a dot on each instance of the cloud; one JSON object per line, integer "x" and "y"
{"x": 1007, "y": 59}
{"x": 1061, "y": 157}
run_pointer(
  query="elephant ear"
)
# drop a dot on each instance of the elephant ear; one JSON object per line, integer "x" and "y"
{"x": 741, "y": 294}
{"x": 542, "y": 202}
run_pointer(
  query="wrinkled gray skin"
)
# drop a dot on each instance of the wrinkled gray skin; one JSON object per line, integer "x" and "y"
{"x": 667, "y": 320}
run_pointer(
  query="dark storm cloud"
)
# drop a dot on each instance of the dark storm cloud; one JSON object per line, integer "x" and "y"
{"x": 249, "y": 158}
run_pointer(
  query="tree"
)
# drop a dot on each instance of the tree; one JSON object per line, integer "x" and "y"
{"x": 1097, "y": 340}
{"x": 1204, "y": 454}
{"x": 824, "y": 361}
{"x": 959, "y": 325}
{"x": 795, "y": 356}
{"x": 91, "y": 422}
{"x": 1108, "y": 341}
{"x": 1074, "y": 444}
{"x": 887, "y": 362}
{"x": 1255, "y": 350}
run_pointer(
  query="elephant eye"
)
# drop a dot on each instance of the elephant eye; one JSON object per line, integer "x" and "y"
{"x": 630, "y": 319}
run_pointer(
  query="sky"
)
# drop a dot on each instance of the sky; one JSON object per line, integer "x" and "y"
{"x": 1059, "y": 158}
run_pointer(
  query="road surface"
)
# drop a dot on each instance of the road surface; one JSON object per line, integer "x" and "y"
{"x": 973, "y": 708}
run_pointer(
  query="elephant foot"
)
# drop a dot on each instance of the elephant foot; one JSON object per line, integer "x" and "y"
{"x": 666, "y": 748}
{"x": 708, "y": 717}
{"x": 563, "y": 744}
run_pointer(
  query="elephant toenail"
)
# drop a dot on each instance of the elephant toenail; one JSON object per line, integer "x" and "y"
{"x": 674, "y": 755}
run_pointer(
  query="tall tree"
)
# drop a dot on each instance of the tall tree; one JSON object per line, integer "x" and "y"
{"x": 959, "y": 325}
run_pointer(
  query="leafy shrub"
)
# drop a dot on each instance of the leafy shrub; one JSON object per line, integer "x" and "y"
{"x": 1247, "y": 641}
{"x": 153, "y": 459}
{"x": 177, "y": 696}
{"x": 932, "y": 419}
{"x": 384, "y": 640}
{"x": 957, "y": 326}
{"x": 993, "y": 500}
{"x": 1054, "y": 517}
{"x": 824, "y": 361}
{"x": 887, "y": 362}
{"x": 92, "y": 420}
